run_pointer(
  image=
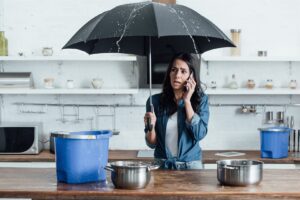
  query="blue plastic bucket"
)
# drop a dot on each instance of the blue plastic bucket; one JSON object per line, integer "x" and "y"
{"x": 274, "y": 142}
{"x": 81, "y": 156}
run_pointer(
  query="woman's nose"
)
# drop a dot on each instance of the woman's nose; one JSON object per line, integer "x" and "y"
{"x": 178, "y": 74}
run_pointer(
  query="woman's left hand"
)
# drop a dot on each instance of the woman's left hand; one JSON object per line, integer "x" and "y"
{"x": 191, "y": 85}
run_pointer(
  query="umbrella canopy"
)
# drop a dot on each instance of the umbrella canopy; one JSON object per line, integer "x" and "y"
{"x": 128, "y": 28}
{"x": 146, "y": 27}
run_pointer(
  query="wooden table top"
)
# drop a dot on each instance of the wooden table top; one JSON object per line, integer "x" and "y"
{"x": 164, "y": 184}
{"x": 208, "y": 157}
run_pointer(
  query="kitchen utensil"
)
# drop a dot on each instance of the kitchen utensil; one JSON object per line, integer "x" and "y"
{"x": 269, "y": 117}
{"x": 294, "y": 140}
{"x": 293, "y": 132}
{"x": 298, "y": 140}
{"x": 262, "y": 53}
{"x": 130, "y": 174}
{"x": 280, "y": 117}
{"x": 288, "y": 125}
{"x": 239, "y": 172}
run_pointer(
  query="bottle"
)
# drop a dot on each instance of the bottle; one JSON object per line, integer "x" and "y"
{"x": 235, "y": 36}
{"x": 3, "y": 44}
{"x": 293, "y": 84}
{"x": 233, "y": 84}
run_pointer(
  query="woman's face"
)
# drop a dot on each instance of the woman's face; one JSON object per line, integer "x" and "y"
{"x": 180, "y": 72}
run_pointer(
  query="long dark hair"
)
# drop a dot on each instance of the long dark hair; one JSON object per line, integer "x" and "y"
{"x": 168, "y": 97}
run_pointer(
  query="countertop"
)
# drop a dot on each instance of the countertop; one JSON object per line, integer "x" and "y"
{"x": 164, "y": 184}
{"x": 209, "y": 157}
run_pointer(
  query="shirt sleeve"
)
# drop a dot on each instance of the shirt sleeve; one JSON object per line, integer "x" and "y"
{"x": 198, "y": 125}
{"x": 148, "y": 109}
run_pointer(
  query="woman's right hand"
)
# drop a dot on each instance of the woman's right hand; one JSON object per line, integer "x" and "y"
{"x": 152, "y": 117}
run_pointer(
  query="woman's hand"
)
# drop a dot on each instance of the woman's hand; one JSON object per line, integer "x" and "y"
{"x": 152, "y": 117}
{"x": 191, "y": 85}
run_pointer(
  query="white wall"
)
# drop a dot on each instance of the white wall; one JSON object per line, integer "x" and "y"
{"x": 271, "y": 25}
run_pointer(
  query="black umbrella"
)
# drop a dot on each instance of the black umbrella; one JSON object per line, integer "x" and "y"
{"x": 142, "y": 28}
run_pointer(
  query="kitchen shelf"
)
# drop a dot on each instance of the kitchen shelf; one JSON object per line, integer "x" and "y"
{"x": 255, "y": 91}
{"x": 66, "y": 91}
{"x": 101, "y": 57}
{"x": 249, "y": 59}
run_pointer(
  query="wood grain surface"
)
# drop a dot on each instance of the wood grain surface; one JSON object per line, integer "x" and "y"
{"x": 164, "y": 184}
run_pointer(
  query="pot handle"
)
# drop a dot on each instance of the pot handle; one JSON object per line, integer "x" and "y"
{"x": 108, "y": 168}
{"x": 229, "y": 167}
{"x": 153, "y": 167}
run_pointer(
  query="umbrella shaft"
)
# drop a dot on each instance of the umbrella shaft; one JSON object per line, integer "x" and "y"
{"x": 150, "y": 73}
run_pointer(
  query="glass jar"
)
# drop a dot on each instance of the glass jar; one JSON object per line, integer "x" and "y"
{"x": 269, "y": 84}
{"x": 293, "y": 84}
{"x": 235, "y": 37}
{"x": 250, "y": 84}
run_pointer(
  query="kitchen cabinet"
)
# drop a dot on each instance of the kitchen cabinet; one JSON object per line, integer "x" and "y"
{"x": 234, "y": 61}
{"x": 19, "y": 60}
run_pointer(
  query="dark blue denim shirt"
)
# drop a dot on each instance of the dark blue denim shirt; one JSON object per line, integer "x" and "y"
{"x": 189, "y": 133}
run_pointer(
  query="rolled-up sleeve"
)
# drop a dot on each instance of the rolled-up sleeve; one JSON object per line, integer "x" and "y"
{"x": 148, "y": 109}
{"x": 198, "y": 125}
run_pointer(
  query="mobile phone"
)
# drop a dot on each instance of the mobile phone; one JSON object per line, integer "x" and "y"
{"x": 185, "y": 87}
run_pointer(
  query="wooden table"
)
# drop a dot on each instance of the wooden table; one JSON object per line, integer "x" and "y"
{"x": 164, "y": 184}
{"x": 208, "y": 157}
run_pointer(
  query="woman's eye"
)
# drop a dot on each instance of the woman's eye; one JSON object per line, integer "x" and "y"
{"x": 173, "y": 70}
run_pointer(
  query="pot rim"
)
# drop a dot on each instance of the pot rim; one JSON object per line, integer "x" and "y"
{"x": 129, "y": 164}
{"x": 254, "y": 162}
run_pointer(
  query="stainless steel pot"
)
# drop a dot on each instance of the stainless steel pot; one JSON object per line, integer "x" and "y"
{"x": 239, "y": 172}
{"x": 130, "y": 174}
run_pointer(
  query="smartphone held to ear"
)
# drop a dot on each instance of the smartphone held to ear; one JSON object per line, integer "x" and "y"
{"x": 185, "y": 88}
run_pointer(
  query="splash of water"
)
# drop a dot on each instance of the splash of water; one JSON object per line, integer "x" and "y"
{"x": 187, "y": 29}
{"x": 132, "y": 15}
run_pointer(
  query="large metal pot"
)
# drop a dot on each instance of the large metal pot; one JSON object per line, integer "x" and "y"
{"x": 130, "y": 174}
{"x": 239, "y": 172}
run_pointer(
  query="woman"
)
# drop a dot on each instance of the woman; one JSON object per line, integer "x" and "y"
{"x": 180, "y": 117}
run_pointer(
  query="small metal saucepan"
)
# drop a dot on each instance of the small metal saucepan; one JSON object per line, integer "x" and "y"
{"x": 130, "y": 174}
{"x": 239, "y": 172}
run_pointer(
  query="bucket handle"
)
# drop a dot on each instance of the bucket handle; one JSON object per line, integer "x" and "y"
{"x": 108, "y": 168}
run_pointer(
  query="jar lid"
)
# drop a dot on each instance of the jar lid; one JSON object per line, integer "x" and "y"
{"x": 235, "y": 30}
